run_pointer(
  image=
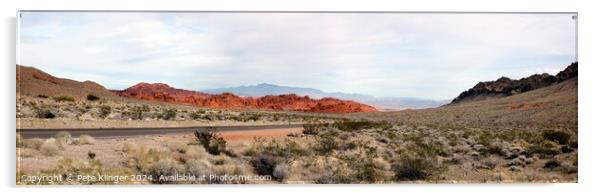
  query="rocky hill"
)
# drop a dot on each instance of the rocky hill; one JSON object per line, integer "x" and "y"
{"x": 504, "y": 86}
{"x": 34, "y": 82}
{"x": 291, "y": 102}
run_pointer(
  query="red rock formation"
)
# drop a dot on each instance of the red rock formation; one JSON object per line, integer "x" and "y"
{"x": 289, "y": 102}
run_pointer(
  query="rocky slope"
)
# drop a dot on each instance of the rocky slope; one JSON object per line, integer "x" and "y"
{"x": 504, "y": 86}
{"x": 292, "y": 102}
{"x": 34, "y": 82}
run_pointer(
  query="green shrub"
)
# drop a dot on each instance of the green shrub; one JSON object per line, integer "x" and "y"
{"x": 138, "y": 111}
{"x": 169, "y": 114}
{"x": 367, "y": 167}
{"x": 557, "y": 136}
{"x": 265, "y": 164}
{"x": 197, "y": 114}
{"x": 64, "y": 98}
{"x": 289, "y": 150}
{"x": 325, "y": 144}
{"x": 92, "y": 97}
{"x": 212, "y": 143}
{"x": 545, "y": 149}
{"x": 415, "y": 168}
{"x": 44, "y": 113}
{"x": 552, "y": 164}
{"x": 105, "y": 110}
{"x": 313, "y": 127}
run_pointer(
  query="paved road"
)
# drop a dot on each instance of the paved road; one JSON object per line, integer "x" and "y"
{"x": 124, "y": 132}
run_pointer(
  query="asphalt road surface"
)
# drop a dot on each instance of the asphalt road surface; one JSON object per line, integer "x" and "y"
{"x": 125, "y": 132}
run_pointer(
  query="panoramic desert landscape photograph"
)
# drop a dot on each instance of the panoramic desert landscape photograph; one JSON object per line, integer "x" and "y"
{"x": 142, "y": 98}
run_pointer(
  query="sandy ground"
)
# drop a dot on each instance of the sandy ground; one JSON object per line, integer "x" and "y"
{"x": 109, "y": 150}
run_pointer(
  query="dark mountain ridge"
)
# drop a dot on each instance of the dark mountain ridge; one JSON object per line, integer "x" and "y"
{"x": 504, "y": 86}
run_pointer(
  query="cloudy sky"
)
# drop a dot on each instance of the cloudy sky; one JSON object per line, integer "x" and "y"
{"x": 432, "y": 56}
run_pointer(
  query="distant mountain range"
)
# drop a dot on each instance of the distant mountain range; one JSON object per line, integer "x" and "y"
{"x": 32, "y": 82}
{"x": 394, "y": 103}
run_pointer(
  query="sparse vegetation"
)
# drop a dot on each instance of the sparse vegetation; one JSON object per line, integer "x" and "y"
{"x": 64, "y": 98}
{"x": 63, "y": 137}
{"x": 559, "y": 137}
{"x": 169, "y": 114}
{"x": 105, "y": 110}
{"x": 44, "y": 113}
{"x": 49, "y": 147}
{"x": 210, "y": 141}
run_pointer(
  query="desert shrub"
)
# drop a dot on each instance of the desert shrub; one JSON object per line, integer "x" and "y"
{"x": 197, "y": 114}
{"x": 367, "y": 167}
{"x": 491, "y": 161}
{"x": 141, "y": 158}
{"x": 313, "y": 127}
{"x": 325, "y": 144}
{"x": 198, "y": 168}
{"x": 64, "y": 98}
{"x": 545, "y": 148}
{"x": 349, "y": 125}
{"x": 169, "y": 114}
{"x": 92, "y": 97}
{"x": 557, "y": 136}
{"x": 552, "y": 164}
{"x": 496, "y": 147}
{"x": 138, "y": 111}
{"x": 91, "y": 155}
{"x": 281, "y": 172}
{"x": 49, "y": 147}
{"x": 63, "y": 137}
{"x": 162, "y": 169}
{"x": 44, "y": 113}
{"x": 43, "y": 96}
{"x": 85, "y": 139}
{"x": 196, "y": 152}
{"x": 212, "y": 143}
{"x": 34, "y": 143}
{"x": 265, "y": 164}
{"x": 105, "y": 110}
{"x": 415, "y": 168}
{"x": 247, "y": 116}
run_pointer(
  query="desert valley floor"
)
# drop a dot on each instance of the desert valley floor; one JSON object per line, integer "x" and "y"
{"x": 503, "y": 131}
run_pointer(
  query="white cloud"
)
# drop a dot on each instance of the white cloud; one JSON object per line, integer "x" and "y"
{"x": 418, "y": 55}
